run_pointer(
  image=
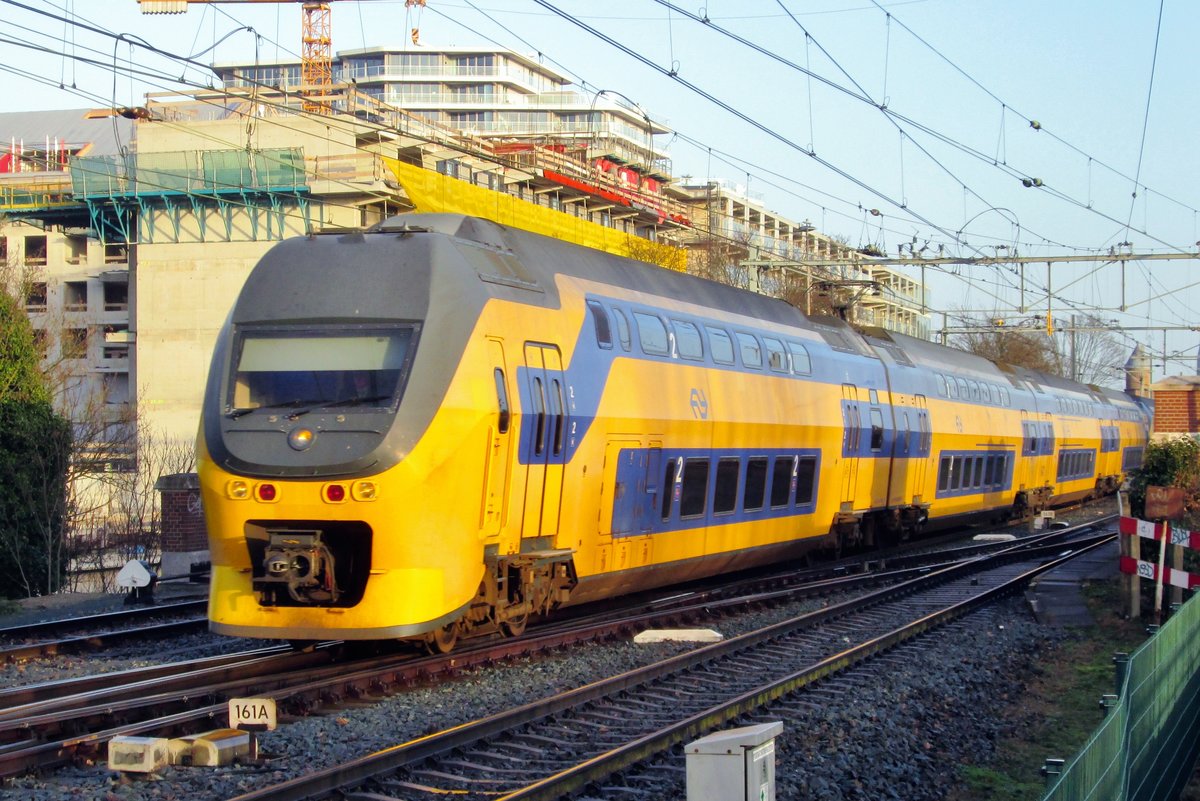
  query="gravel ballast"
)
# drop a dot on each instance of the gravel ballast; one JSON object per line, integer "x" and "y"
{"x": 925, "y": 711}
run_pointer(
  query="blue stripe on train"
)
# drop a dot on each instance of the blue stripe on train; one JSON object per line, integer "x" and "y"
{"x": 691, "y": 485}
{"x": 963, "y": 473}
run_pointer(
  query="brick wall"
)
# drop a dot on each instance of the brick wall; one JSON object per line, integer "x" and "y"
{"x": 182, "y": 513}
{"x": 1176, "y": 411}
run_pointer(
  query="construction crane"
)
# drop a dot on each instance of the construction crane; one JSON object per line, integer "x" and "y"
{"x": 316, "y": 55}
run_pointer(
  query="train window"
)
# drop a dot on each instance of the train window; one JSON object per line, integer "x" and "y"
{"x": 849, "y": 427}
{"x": 622, "y": 328}
{"x": 776, "y": 357}
{"x": 952, "y": 387}
{"x": 977, "y": 479}
{"x": 874, "y": 396}
{"x": 671, "y": 473}
{"x": 956, "y": 473}
{"x": 1005, "y": 398}
{"x": 600, "y": 318}
{"x": 876, "y": 428}
{"x": 319, "y": 368}
{"x": 721, "y": 344}
{"x": 687, "y": 339}
{"x": 989, "y": 471}
{"x": 652, "y": 334}
{"x": 942, "y": 390}
{"x": 904, "y": 436}
{"x": 539, "y": 410}
{"x": 502, "y": 399}
{"x": 964, "y": 391}
{"x": 694, "y": 494}
{"x": 781, "y": 480}
{"x": 750, "y": 351}
{"x": 558, "y": 409}
{"x": 801, "y": 363}
{"x": 806, "y": 474}
{"x": 725, "y": 492}
{"x": 944, "y": 474}
{"x": 755, "y": 492}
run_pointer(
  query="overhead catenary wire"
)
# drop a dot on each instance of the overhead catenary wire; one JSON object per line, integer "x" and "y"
{"x": 1035, "y": 124}
{"x": 824, "y": 206}
{"x": 1146, "y": 117}
{"x": 861, "y": 95}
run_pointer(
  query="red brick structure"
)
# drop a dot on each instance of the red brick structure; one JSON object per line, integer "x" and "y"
{"x": 1176, "y": 406}
{"x": 184, "y": 540}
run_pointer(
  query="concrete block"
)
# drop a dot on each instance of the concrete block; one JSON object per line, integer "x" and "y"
{"x": 677, "y": 635}
{"x": 211, "y": 748}
{"x": 138, "y": 754}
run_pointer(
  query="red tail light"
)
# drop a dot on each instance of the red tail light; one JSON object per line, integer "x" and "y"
{"x": 335, "y": 493}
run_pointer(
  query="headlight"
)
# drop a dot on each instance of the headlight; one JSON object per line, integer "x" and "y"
{"x": 363, "y": 491}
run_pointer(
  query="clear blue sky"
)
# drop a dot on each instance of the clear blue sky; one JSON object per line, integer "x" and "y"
{"x": 944, "y": 167}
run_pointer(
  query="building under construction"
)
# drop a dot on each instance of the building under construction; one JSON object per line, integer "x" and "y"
{"x": 128, "y": 232}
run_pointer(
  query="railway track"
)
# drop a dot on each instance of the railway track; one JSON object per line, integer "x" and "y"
{"x": 42, "y": 726}
{"x": 569, "y": 742}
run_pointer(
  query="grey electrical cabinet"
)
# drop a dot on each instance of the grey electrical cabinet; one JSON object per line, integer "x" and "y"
{"x": 734, "y": 765}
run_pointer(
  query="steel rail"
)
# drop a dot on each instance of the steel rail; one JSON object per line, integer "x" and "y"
{"x": 356, "y": 772}
{"x": 49, "y": 627}
{"x": 95, "y": 642}
{"x": 327, "y": 684}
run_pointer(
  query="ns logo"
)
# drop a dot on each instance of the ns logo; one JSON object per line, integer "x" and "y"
{"x": 699, "y": 404}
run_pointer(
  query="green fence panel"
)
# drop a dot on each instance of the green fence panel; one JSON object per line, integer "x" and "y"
{"x": 1146, "y": 746}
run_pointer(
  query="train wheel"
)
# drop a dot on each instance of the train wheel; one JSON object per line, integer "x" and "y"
{"x": 515, "y": 626}
{"x": 443, "y": 640}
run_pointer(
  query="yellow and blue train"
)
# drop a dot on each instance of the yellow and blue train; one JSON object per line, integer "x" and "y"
{"x": 443, "y": 424}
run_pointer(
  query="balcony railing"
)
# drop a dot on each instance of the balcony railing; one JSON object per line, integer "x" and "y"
{"x": 188, "y": 172}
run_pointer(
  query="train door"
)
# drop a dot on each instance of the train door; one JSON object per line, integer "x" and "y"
{"x": 544, "y": 439}
{"x": 618, "y": 498}
{"x": 1024, "y": 478}
{"x": 920, "y": 444}
{"x": 630, "y": 492}
{"x": 851, "y": 436}
{"x": 494, "y": 514}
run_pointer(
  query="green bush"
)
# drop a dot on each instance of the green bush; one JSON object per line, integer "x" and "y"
{"x": 1169, "y": 463}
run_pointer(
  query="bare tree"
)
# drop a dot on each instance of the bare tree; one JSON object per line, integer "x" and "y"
{"x": 1091, "y": 356}
{"x": 721, "y": 260}
{"x": 123, "y": 521}
{"x": 1026, "y": 347}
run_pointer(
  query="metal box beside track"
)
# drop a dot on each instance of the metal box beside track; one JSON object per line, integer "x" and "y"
{"x": 733, "y": 764}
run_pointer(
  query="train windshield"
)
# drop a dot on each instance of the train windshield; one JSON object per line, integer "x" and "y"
{"x": 319, "y": 369}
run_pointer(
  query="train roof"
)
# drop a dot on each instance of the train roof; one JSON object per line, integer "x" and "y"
{"x": 543, "y": 258}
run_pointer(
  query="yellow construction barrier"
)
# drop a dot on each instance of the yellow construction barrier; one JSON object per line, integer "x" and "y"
{"x": 431, "y": 191}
